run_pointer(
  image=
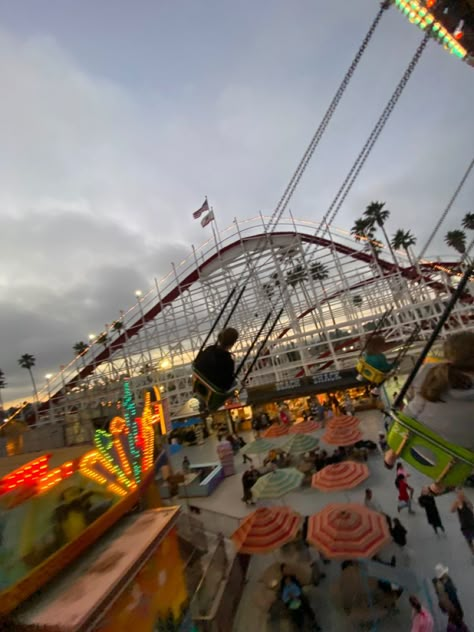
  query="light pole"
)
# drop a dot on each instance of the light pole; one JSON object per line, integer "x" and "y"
{"x": 48, "y": 377}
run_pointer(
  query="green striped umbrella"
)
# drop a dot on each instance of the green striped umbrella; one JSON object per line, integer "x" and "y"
{"x": 277, "y": 483}
{"x": 259, "y": 446}
{"x": 300, "y": 443}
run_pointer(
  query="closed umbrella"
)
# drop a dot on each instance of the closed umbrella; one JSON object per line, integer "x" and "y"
{"x": 276, "y": 484}
{"x": 259, "y": 446}
{"x": 275, "y": 430}
{"x": 300, "y": 443}
{"x": 305, "y": 427}
{"x": 342, "y": 436}
{"x": 346, "y": 421}
{"x": 266, "y": 529}
{"x": 340, "y": 476}
{"x": 348, "y": 531}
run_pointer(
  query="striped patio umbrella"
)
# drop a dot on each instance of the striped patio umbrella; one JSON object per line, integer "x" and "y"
{"x": 275, "y": 430}
{"x": 344, "y": 421}
{"x": 342, "y": 436}
{"x": 278, "y": 483}
{"x": 340, "y": 476}
{"x": 259, "y": 446}
{"x": 305, "y": 427}
{"x": 266, "y": 529}
{"x": 300, "y": 443}
{"x": 348, "y": 531}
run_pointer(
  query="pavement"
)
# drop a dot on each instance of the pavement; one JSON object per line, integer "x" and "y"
{"x": 424, "y": 549}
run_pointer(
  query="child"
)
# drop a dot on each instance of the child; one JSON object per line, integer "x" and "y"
{"x": 374, "y": 354}
{"x": 216, "y": 362}
{"x": 443, "y": 394}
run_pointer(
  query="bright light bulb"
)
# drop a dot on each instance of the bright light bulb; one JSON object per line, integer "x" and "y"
{"x": 91, "y": 336}
{"x": 138, "y": 293}
{"x": 48, "y": 376}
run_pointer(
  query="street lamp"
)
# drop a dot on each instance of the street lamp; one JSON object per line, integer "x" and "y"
{"x": 138, "y": 293}
{"x": 48, "y": 376}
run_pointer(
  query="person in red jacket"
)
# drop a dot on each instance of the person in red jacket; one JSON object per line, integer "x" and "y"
{"x": 405, "y": 493}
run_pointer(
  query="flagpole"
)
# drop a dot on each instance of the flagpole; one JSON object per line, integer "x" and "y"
{"x": 215, "y": 230}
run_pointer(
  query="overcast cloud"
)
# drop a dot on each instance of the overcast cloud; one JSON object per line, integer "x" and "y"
{"x": 116, "y": 119}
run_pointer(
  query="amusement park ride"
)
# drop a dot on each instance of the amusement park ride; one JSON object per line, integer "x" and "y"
{"x": 49, "y": 517}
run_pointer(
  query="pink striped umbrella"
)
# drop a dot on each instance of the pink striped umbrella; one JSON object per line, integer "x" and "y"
{"x": 340, "y": 476}
{"x": 305, "y": 427}
{"x": 275, "y": 430}
{"x": 348, "y": 531}
{"x": 266, "y": 529}
{"x": 342, "y": 436}
{"x": 344, "y": 421}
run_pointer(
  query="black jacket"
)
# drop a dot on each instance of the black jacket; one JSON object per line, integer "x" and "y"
{"x": 216, "y": 365}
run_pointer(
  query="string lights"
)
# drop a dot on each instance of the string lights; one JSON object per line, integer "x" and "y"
{"x": 420, "y": 15}
{"x": 28, "y": 474}
{"x": 117, "y": 463}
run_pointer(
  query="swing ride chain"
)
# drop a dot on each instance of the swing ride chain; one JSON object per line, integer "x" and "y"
{"x": 297, "y": 175}
{"x": 366, "y": 150}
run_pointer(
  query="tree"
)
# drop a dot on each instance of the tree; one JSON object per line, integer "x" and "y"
{"x": 456, "y": 239}
{"x": 319, "y": 272}
{"x": 468, "y": 221}
{"x": 377, "y": 215}
{"x": 28, "y": 361}
{"x": 298, "y": 274}
{"x": 403, "y": 240}
{"x": 103, "y": 339}
{"x": 363, "y": 228}
{"x": 80, "y": 347}
{"x": 3, "y": 384}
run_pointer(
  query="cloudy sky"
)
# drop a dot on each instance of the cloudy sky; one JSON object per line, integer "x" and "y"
{"x": 117, "y": 117}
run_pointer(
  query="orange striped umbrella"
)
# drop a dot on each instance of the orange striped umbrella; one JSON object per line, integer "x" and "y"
{"x": 344, "y": 421}
{"x": 305, "y": 427}
{"x": 342, "y": 436}
{"x": 340, "y": 476}
{"x": 266, "y": 529}
{"x": 348, "y": 531}
{"x": 275, "y": 430}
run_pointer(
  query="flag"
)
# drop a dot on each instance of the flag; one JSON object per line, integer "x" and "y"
{"x": 205, "y": 207}
{"x": 207, "y": 219}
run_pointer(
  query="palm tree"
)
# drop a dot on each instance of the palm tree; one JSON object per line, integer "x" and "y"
{"x": 456, "y": 239}
{"x": 468, "y": 224}
{"x": 117, "y": 326}
{"x": 297, "y": 275}
{"x": 377, "y": 215}
{"x": 468, "y": 221}
{"x": 80, "y": 347}
{"x": 103, "y": 339}
{"x": 3, "y": 384}
{"x": 319, "y": 272}
{"x": 363, "y": 228}
{"x": 403, "y": 239}
{"x": 28, "y": 361}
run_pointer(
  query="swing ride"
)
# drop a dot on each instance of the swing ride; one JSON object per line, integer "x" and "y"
{"x": 252, "y": 277}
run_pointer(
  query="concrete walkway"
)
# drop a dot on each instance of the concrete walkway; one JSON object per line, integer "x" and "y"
{"x": 425, "y": 549}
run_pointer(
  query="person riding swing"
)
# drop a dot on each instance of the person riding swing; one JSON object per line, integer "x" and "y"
{"x": 214, "y": 367}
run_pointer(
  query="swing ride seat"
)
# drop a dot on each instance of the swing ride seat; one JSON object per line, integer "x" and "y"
{"x": 211, "y": 396}
{"x": 374, "y": 376}
{"x": 429, "y": 453}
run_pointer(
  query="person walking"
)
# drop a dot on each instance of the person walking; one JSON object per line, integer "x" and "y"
{"x": 249, "y": 479}
{"x": 428, "y": 502}
{"x": 421, "y": 619}
{"x": 447, "y": 592}
{"x": 405, "y": 494}
{"x": 463, "y": 507}
{"x": 456, "y": 624}
{"x": 370, "y": 502}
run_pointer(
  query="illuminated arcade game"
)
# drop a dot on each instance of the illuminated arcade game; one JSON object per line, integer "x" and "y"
{"x": 451, "y": 23}
{"x": 51, "y": 517}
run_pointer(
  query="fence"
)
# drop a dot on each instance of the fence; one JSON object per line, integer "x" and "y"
{"x": 214, "y": 521}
